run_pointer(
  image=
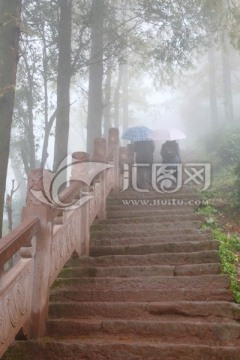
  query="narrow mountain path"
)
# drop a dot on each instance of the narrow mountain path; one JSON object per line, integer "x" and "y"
{"x": 152, "y": 289}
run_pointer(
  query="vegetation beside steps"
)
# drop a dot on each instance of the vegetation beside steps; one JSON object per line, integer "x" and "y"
{"x": 229, "y": 244}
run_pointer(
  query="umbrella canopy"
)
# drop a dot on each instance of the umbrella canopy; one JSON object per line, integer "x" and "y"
{"x": 167, "y": 134}
{"x": 136, "y": 133}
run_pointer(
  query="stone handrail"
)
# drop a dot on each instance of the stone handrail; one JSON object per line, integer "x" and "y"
{"x": 46, "y": 239}
{"x": 18, "y": 237}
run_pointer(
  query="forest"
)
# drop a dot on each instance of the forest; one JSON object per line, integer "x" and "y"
{"x": 70, "y": 70}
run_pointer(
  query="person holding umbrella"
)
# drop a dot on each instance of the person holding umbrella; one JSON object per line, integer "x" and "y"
{"x": 170, "y": 149}
{"x": 143, "y": 148}
{"x": 144, "y": 156}
{"x": 170, "y": 152}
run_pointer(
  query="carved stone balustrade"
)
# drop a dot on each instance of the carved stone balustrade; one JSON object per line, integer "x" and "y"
{"x": 50, "y": 231}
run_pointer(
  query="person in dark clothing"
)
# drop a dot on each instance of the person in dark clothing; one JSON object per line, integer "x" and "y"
{"x": 171, "y": 155}
{"x": 170, "y": 152}
{"x": 144, "y": 155}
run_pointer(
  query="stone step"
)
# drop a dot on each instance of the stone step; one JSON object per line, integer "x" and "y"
{"x": 118, "y": 347}
{"x": 149, "y": 240}
{"x": 131, "y": 192}
{"x": 202, "y": 294}
{"x": 178, "y": 258}
{"x": 136, "y": 271}
{"x": 145, "y": 310}
{"x": 149, "y": 207}
{"x": 146, "y": 233}
{"x": 163, "y": 283}
{"x": 149, "y": 213}
{"x": 189, "y": 246}
{"x": 152, "y": 219}
{"x": 148, "y": 227}
{"x": 174, "y": 196}
{"x": 190, "y": 331}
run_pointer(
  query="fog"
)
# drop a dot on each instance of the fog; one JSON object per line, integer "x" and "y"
{"x": 184, "y": 105}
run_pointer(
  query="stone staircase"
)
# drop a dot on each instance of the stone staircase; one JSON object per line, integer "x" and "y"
{"x": 152, "y": 289}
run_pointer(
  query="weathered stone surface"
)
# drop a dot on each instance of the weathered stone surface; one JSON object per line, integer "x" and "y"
{"x": 169, "y": 247}
{"x": 152, "y": 219}
{"x": 147, "y": 234}
{"x": 151, "y": 240}
{"x": 119, "y": 349}
{"x": 141, "y": 295}
{"x": 145, "y": 310}
{"x": 176, "y": 258}
{"x": 118, "y": 214}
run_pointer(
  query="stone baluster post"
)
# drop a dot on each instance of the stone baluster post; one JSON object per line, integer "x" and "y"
{"x": 113, "y": 154}
{"x": 38, "y": 203}
{"x": 80, "y": 171}
{"x": 100, "y": 156}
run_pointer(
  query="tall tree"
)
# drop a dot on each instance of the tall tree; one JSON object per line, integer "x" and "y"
{"x": 117, "y": 96}
{"x": 63, "y": 82}
{"x": 125, "y": 91}
{"x": 213, "y": 88}
{"x": 34, "y": 111}
{"x": 227, "y": 83}
{"x": 107, "y": 101}
{"x": 10, "y": 11}
{"x": 95, "y": 104}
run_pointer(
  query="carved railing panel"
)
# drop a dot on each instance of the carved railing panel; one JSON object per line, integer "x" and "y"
{"x": 64, "y": 242}
{"x": 95, "y": 202}
{"x": 15, "y": 301}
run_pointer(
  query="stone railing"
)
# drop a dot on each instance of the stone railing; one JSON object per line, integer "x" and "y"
{"x": 48, "y": 235}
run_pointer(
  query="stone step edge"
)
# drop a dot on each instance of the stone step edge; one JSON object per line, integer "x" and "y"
{"x": 191, "y": 309}
{"x": 56, "y": 341}
{"x": 175, "y": 270}
{"x": 215, "y": 332}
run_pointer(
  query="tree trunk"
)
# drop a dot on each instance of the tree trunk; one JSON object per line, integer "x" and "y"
{"x": 29, "y": 124}
{"x": 95, "y": 105}
{"x": 10, "y": 11}
{"x": 227, "y": 83}
{"x": 212, "y": 88}
{"x": 63, "y": 82}
{"x": 20, "y": 181}
{"x": 125, "y": 89}
{"x": 107, "y": 102}
{"x": 48, "y": 127}
{"x": 117, "y": 96}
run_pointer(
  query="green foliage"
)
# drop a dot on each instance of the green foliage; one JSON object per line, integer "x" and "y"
{"x": 223, "y": 148}
{"x": 229, "y": 246}
{"x": 225, "y": 144}
{"x": 207, "y": 210}
{"x": 209, "y": 223}
{"x": 229, "y": 146}
{"x": 233, "y": 23}
{"x": 229, "y": 249}
{"x": 236, "y": 194}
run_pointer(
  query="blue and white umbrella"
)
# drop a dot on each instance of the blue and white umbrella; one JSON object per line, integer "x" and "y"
{"x": 136, "y": 133}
